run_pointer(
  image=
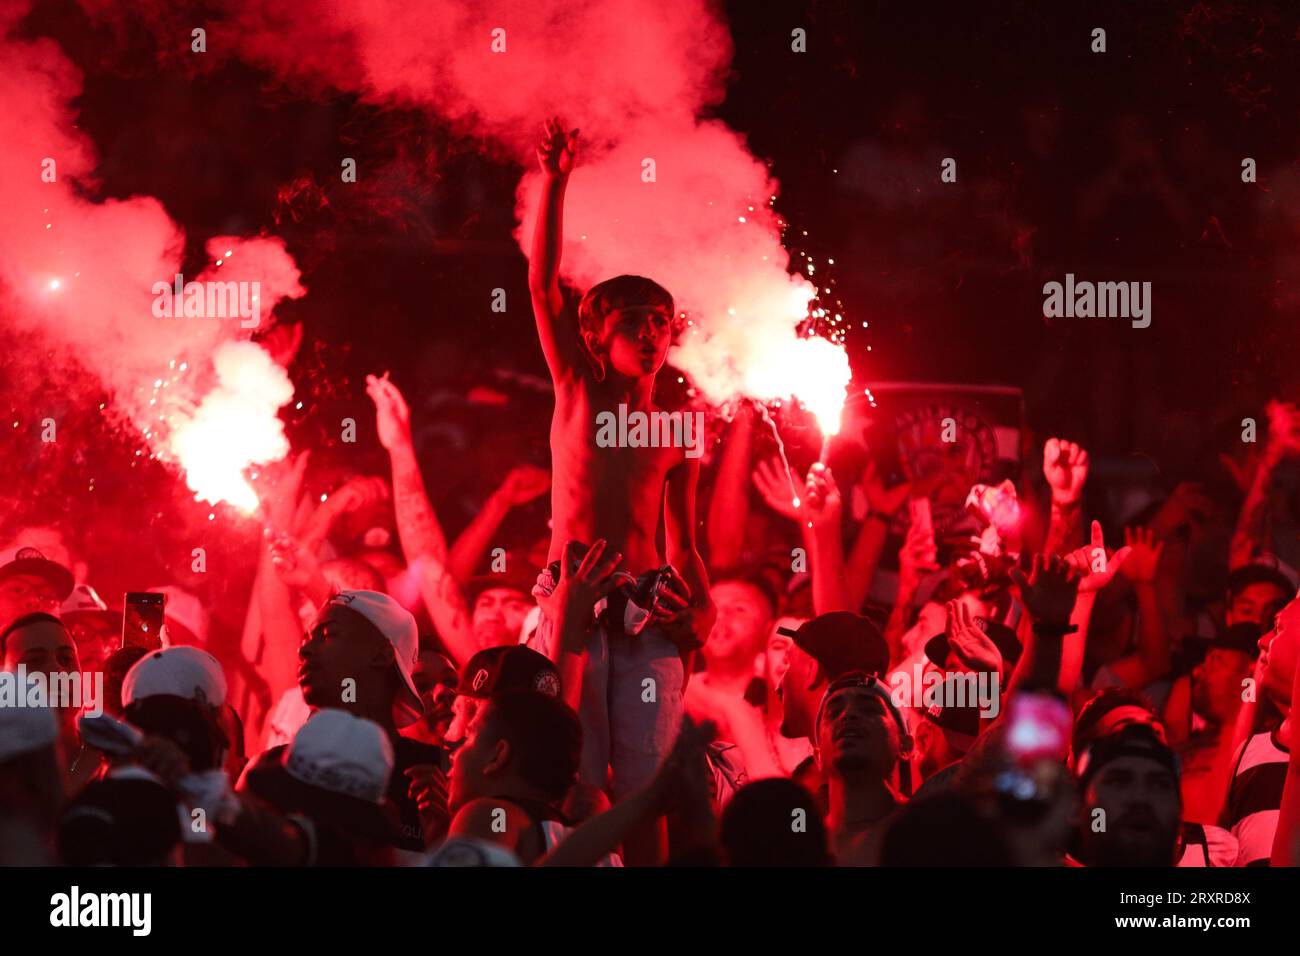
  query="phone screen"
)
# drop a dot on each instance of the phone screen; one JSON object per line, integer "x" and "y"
{"x": 1038, "y": 728}
{"x": 142, "y": 619}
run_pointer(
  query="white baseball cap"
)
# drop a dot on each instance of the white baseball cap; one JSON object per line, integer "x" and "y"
{"x": 343, "y": 754}
{"x": 180, "y": 671}
{"x": 398, "y": 627}
{"x": 24, "y": 729}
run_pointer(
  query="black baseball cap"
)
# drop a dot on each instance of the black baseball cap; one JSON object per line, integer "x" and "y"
{"x": 30, "y": 562}
{"x": 1003, "y": 638}
{"x": 1133, "y": 740}
{"x": 961, "y": 719}
{"x": 499, "y": 670}
{"x": 842, "y": 642}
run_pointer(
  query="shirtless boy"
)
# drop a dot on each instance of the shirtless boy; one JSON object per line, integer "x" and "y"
{"x": 614, "y": 498}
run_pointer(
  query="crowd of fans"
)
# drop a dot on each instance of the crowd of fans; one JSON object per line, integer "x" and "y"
{"x": 1036, "y": 699}
{"x": 803, "y": 686}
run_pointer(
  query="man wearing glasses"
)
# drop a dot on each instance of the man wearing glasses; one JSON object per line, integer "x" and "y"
{"x": 30, "y": 582}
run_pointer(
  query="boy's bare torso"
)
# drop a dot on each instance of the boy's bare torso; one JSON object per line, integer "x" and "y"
{"x": 612, "y": 493}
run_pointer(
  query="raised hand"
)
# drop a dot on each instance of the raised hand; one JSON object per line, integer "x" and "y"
{"x": 1048, "y": 590}
{"x": 684, "y": 775}
{"x": 358, "y": 493}
{"x": 773, "y": 483}
{"x": 967, "y": 640}
{"x": 392, "y": 414}
{"x": 281, "y": 503}
{"x": 524, "y": 483}
{"x": 1065, "y": 466}
{"x": 556, "y": 152}
{"x": 580, "y": 587}
{"x": 1144, "y": 555}
{"x": 1094, "y": 563}
{"x": 918, "y": 555}
{"x": 295, "y": 565}
{"x": 428, "y": 788}
{"x": 880, "y": 500}
{"x": 821, "y": 504}
{"x": 1189, "y": 502}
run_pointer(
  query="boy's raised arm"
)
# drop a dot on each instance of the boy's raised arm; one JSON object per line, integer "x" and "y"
{"x": 557, "y": 332}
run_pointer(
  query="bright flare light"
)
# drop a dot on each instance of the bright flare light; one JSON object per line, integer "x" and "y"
{"x": 234, "y": 426}
{"x": 814, "y": 370}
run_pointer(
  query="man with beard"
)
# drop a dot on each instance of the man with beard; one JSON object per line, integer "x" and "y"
{"x": 860, "y": 738}
{"x": 729, "y": 693}
{"x": 498, "y": 605}
{"x": 1131, "y": 812}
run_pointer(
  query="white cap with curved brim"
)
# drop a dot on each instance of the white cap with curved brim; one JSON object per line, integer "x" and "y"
{"x": 179, "y": 671}
{"x": 341, "y": 753}
{"x": 398, "y": 627}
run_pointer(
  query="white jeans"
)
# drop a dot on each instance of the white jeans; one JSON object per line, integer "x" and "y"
{"x": 631, "y": 707}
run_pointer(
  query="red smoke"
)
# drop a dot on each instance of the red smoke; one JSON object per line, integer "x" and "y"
{"x": 80, "y": 275}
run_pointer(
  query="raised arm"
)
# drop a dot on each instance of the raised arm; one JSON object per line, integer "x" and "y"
{"x": 729, "y": 503}
{"x": 860, "y": 569}
{"x": 522, "y": 485}
{"x": 556, "y": 331}
{"x": 1095, "y": 568}
{"x": 1251, "y": 535}
{"x": 1065, "y": 466}
{"x": 1048, "y": 589}
{"x": 423, "y": 543}
{"x": 822, "y": 537}
{"x": 680, "y": 549}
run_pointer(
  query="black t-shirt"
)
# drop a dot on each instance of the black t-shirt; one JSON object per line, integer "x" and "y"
{"x": 411, "y": 753}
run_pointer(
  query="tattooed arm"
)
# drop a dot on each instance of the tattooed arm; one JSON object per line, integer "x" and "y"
{"x": 423, "y": 543}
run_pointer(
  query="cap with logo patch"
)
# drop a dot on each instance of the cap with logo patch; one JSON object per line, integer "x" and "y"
{"x": 28, "y": 562}
{"x": 497, "y": 670}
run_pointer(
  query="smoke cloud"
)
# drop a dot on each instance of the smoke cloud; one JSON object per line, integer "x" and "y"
{"x": 79, "y": 274}
{"x": 662, "y": 190}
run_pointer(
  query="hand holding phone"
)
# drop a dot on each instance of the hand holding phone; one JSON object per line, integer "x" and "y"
{"x": 142, "y": 619}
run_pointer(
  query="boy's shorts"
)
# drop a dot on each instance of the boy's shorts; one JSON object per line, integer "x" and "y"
{"x": 631, "y": 706}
